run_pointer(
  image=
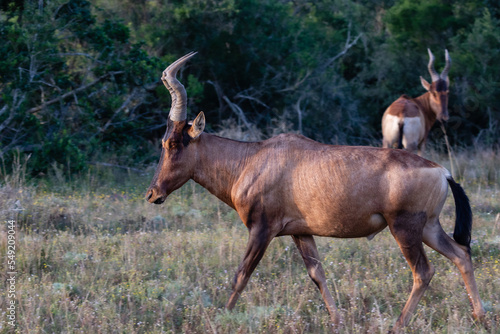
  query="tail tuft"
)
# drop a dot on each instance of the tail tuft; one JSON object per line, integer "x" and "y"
{"x": 463, "y": 212}
{"x": 400, "y": 140}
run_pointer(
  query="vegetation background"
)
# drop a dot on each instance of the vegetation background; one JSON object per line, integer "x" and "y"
{"x": 82, "y": 110}
{"x": 79, "y": 79}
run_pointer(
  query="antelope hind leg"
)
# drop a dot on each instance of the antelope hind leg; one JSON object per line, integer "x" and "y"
{"x": 407, "y": 230}
{"x": 437, "y": 239}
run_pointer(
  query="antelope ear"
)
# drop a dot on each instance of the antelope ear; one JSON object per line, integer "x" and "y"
{"x": 426, "y": 85}
{"x": 198, "y": 125}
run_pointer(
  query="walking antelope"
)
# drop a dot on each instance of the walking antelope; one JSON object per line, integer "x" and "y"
{"x": 292, "y": 185}
{"x": 407, "y": 121}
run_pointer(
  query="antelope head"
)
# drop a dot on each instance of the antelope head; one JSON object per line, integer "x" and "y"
{"x": 438, "y": 89}
{"x": 178, "y": 153}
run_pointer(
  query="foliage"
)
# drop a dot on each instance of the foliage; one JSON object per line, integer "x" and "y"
{"x": 71, "y": 85}
{"x": 478, "y": 89}
{"x": 79, "y": 78}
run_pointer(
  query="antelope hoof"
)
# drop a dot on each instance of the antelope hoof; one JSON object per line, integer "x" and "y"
{"x": 481, "y": 319}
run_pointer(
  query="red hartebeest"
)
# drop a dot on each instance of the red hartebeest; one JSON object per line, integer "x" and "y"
{"x": 292, "y": 185}
{"x": 407, "y": 122}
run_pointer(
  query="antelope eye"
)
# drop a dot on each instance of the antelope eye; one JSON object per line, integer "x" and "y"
{"x": 169, "y": 144}
{"x": 172, "y": 145}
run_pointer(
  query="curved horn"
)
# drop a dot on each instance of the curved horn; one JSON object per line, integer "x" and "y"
{"x": 432, "y": 71}
{"x": 446, "y": 69}
{"x": 178, "y": 111}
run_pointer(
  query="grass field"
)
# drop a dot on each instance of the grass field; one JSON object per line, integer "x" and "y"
{"x": 94, "y": 257}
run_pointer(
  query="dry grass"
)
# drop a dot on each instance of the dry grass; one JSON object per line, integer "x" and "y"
{"x": 94, "y": 257}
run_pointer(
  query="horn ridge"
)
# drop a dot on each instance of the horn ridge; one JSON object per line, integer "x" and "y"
{"x": 446, "y": 69}
{"x": 178, "y": 110}
{"x": 173, "y": 95}
{"x": 430, "y": 66}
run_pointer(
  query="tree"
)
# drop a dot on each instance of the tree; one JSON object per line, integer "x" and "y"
{"x": 80, "y": 78}
{"x": 477, "y": 88}
{"x": 71, "y": 85}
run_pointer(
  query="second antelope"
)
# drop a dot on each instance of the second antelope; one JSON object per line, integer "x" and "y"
{"x": 407, "y": 121}
{"x": 292, "y": 185}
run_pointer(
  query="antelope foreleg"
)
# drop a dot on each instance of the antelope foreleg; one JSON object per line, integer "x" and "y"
{"x": 309, "y": 252}
{"x": 258, "y": 241}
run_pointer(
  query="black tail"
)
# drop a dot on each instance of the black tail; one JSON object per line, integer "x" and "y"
{"x": 400, "y": 140}
{"x": 463, "y": 212}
